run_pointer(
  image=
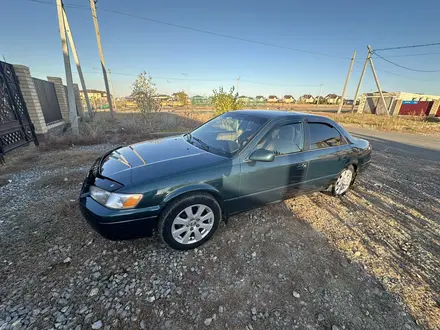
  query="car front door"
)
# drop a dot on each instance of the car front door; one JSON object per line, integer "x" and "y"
{"x": 327, "y": 155}
{"x": 266, "y": 182}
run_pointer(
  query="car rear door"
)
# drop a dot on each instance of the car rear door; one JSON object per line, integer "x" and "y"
{"x": 265, "y": 182}
{"x": 328, "y": 153}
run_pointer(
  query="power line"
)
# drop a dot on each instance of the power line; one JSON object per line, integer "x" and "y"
{"x": 76, "y": 6}
{"x": 223, "y": 35}
{"x": 205, "y": 80}
{"x": 201, "y": 31}
{"x": 236, "y": 38}
{"x": 395, "y": 74}
{"x": 401, "y": 66}
{"x": 411, "y": 46}
{"x": 408, "y": 55}
{"x": 270, "y": 84}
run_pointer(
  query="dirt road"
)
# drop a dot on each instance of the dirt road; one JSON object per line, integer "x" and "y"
{"x": 402, "y": 144}
{"x": 365, "y": 261}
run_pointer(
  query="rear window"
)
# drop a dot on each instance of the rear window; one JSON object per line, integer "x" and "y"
{"x": 324, "y": 136}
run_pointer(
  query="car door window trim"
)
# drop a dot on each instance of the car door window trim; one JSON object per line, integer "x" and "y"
{"x": 331, "y": 126}
{"x": 301, "y": 122}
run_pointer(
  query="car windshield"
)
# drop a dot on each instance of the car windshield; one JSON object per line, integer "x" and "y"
{"x": 225, "y": 135}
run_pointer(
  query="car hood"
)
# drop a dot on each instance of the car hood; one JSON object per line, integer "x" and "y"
{"x": 153, "y": 159}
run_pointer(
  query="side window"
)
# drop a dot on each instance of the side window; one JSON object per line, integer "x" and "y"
{"x": 284, "y": 140}
{"x": 324, "y": 136}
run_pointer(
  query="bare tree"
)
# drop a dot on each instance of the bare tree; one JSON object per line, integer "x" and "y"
{"x": 144, "y": 91}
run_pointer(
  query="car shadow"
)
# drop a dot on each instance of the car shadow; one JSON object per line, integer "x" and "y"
{"x": 389, "y": 222}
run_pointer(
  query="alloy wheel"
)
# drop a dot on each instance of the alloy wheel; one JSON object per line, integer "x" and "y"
{"x": 343, "y": 182}
{"x": 192, "y": 224}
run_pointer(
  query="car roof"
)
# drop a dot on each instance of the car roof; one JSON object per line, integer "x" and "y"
{"x": 273, "y": 114}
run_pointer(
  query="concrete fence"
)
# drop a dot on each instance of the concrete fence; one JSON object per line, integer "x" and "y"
{"x": 35, "y": 107}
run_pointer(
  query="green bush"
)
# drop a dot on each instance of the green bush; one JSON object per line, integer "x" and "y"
{"x": 224, "y": 102}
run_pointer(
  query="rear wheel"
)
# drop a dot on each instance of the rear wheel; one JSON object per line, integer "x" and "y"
{"x": 344, "y": 181}
{"x": 189, "y": 221}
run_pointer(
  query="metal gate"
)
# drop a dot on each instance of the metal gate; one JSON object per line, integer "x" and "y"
{"x": 16, "y": 128}
{"x": 48, "y": 100}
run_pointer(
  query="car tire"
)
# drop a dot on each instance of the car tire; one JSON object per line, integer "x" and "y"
{"x": 344, "y": 181}
{"x": 172, "y": 221}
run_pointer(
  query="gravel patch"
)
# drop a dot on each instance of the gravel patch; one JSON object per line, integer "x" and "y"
{"x": 269, "y": 268}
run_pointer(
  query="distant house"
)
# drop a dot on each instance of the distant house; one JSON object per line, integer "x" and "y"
{"x": 332, "y": 99}
{"x": 243, "y": 99}
{"x": 162, "y": 97}
{"x": 94, "y": 94}
{"x": 199, "y": 100}
{"x": 260, "y": 98}
{"x": 307, "y": 98}
{"x": 272, "y": 99}
{"x": 176, "y": 100}
{"x": 288, "y": 99}
{"x": 319, "y": 100}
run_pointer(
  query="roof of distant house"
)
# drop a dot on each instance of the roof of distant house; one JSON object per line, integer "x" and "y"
{"x": 94, "y": 91}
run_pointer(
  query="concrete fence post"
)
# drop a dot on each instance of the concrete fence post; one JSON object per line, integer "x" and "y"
{"x": 397, "y": 107}
{"x": 62, "y": 97}
{"x": 362, "y": 101}
{"x": 30, "y": 97}
{"x": 434, "y": 108}
{"x": 79, "y": 103}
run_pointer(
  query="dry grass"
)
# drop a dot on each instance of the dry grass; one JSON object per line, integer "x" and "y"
{"x": 32, "y": 157}
{"x": 409, "y": 124}
{"x": 124, "y": 128}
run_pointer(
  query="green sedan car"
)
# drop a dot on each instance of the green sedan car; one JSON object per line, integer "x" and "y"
{"x": 183, "y": 186}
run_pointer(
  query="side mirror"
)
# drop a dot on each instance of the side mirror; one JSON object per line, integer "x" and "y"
{"x": 262, "y": 155}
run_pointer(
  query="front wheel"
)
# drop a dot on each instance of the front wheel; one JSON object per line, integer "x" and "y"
{"x": 190, "y": 221}
{"x": 343, "y": 182}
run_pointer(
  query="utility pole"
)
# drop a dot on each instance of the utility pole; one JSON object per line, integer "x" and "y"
{"x": 319, "y": 95}
{"x": 369, "y": 60}
{"x": 101, "y": 55}
{"x": 238, "y": 83}
{"x": 361, "y": 79}
{"x": 78, "y": 64}
{"x": 73, "y": 117}
{"x": 112, "y": 89}
{"x": 377, "y": 82}
{"x": 346, "y": 82}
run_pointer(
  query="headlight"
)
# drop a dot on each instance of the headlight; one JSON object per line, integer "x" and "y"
{"x": 114, "y": 200}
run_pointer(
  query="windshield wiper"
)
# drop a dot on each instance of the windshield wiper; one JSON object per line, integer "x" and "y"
{"x": 203, "y": 144}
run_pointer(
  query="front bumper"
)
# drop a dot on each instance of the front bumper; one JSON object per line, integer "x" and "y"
{"x": 364, "y": 166}
{"x": 119, "y": 224}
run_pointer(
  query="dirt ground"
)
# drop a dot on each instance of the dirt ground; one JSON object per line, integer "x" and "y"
{"x": 369, "y": 260}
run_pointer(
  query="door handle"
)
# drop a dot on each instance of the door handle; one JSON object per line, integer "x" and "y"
{"x": 302, "y": 165}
